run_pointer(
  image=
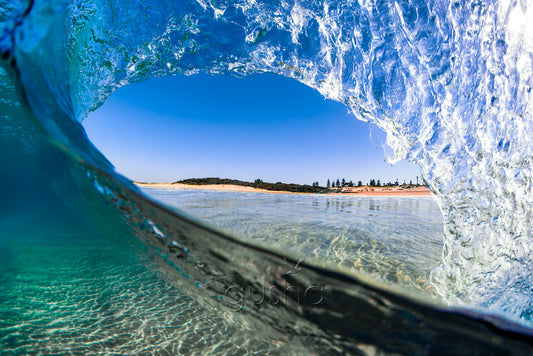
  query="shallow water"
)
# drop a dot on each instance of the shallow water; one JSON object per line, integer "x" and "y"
{"x": 396, "y": 239}
{"x": 78, "y": 293}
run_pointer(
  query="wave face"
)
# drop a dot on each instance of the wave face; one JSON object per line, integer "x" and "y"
{"x": 449, "y": 82}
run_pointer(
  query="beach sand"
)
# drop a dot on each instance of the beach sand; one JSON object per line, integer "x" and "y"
{"x": 227, "y": 187}
{"x": 362, "y": 191}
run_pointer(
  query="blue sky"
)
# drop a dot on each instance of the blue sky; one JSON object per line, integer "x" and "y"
{"x": 261, "y": 126}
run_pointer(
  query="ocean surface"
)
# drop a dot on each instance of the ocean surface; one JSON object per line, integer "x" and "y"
{"x": 396, "y": 239}
{"x": 65, "y": 292}
{"x": 90, "y": 264}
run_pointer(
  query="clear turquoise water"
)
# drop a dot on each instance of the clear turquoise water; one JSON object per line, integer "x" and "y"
{"x": 80, "y": 293}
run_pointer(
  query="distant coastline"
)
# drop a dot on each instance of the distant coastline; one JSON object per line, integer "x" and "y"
{"x": 283, "y": 188}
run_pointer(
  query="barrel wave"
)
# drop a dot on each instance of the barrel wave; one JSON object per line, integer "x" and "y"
{"x": 448, "y": 81}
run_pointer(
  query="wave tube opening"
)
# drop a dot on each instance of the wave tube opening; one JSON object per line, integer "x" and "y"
{"x": 159, "y": 132}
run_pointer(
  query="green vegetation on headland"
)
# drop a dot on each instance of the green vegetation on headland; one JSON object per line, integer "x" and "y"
{"x": 258, "y": 183}
{"x": 338, "y": 186}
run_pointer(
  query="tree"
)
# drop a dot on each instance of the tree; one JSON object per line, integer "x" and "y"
{"x": 338, "y": 183}
{"x": 372, "y": 183}
{"x": 378, "y": 183}
{"x": 328, "y": 184}
{"x": 350, "y": 184}
{"x": 258, "y": 181}
{"x": 343, "y": 182}
{"x": 359, "y": 184}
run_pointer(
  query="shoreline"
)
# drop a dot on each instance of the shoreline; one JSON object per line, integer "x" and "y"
{"x": 347, "y": 191}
